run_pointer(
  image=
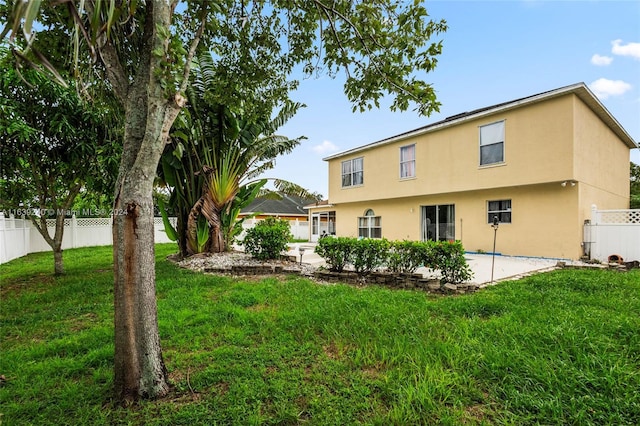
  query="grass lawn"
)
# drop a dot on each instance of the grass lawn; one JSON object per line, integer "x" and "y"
{"x": 556, "y": 348}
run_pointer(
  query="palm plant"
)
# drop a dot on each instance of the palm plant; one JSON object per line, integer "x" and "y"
{"x": 214, "y": 161}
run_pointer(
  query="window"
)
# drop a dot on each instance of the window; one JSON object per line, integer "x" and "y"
{"x": 352, "y": 173}
{"x": 500, "y": 208}
{"x": 408, "y": 161}
{"x": 492, "y": 143}
{"x": 369, "y": 226}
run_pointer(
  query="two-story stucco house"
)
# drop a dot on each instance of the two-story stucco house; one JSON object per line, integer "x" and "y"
{"x": 538, "y": 163}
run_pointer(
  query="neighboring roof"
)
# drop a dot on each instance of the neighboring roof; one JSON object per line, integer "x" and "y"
{"x": 314, "y": 204}
{"x": 579, "y": 89}
{"x": 288, "y": 205}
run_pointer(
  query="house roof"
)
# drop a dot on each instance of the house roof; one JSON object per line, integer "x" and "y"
{"x": 320, "y": 203}
{"x": 288, "y": 205}
{"x": 579, "y": 89}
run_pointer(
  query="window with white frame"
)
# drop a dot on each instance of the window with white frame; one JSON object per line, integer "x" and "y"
{"x": 370, "y": 225}
{"x": 408, "y": 161}
{"x": 352, "y": 172}
{"x": 492, "y": 143}
{"x": 500, "y": 208}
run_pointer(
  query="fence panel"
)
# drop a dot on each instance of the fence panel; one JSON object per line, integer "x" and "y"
{"x": 19, "y": 237}
{"x": 91, "y": 231}
{"x": 299, "y": 228}
{"x": 615, "y": 232}
{"x": 14, "y": 238}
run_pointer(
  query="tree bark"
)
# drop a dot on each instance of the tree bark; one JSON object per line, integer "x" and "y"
{"x": 218, "y": 244}
{"x": 139, "y": 368}
{"x": 58, "y": 264}
{"x": 54, "y": 242}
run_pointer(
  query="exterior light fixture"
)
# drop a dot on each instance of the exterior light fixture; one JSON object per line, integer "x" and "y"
{"x": 301, "y": 251}
{"x": 563, "y": 184}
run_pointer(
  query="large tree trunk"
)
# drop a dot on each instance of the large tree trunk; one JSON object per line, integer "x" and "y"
{"x": 139, "y": 368}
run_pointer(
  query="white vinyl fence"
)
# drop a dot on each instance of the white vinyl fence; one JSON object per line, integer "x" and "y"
{"x": 18, "y": 237}
{"x": 299, "y": 228}
{"x": 613, "y": 232}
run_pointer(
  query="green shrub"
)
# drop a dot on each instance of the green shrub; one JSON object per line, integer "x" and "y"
{"x": 368, "y": 254}
{"x": 449, "y": 259}
{"x": 336, "y": 251}
{"x": 399, "y": 256}
{"x": 407, "y": 256}
{"x": 268, "y": 239}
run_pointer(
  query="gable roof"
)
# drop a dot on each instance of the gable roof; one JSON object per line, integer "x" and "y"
{"x": 288, "y": 205}
{"x": 579, "y": 89}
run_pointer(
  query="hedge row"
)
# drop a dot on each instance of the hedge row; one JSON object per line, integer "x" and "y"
{"x": 367, "y": 255}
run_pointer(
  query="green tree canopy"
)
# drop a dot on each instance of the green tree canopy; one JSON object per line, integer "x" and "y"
{"x": 634, "y": 186}
{"x": 54, "y": 145}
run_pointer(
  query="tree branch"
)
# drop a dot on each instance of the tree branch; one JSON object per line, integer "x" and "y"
{"x": 368, "y": 51}
{"x": 115, "y": 72}
{"x": 192, "y": 51}
{"x": 109, "y": 57}
{"x": 335, "y": 34}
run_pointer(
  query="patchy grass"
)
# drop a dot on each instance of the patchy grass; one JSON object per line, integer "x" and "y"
{"x": 556, "y": 348}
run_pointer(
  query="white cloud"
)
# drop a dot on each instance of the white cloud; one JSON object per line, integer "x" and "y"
{"x": 629, "y": 49}
{"x": 601, "y": 60}
{"x": 603, "y": 88}
{"x": 325, "y": 147}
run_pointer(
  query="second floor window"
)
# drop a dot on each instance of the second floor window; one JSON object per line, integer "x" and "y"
{"x": 408, "y": 161}
{"x": 492, "y": 143}
{"x": 352, "y": 172}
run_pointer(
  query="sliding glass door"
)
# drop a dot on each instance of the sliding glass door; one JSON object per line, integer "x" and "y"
{"x": 438, "y": 222}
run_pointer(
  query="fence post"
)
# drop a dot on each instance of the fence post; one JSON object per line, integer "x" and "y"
{"x": 74, "y": 231}
{"x": 111, "y": 233}
{"x": 3, "y": 241}
{"x": 594, "y": 237}
{"x": 26, "y": 234}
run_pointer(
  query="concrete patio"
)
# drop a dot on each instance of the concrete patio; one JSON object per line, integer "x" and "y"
{"x": 505, "y": 267}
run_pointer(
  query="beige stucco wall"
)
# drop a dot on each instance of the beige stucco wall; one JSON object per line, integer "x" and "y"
{"x": 534, "y": 231}
{"x": 538, "y": 148}
{"x": 601, "y": 160}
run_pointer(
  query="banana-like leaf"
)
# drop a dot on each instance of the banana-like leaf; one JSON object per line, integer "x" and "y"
{"x": 202, "y": 233}
{"x": 30, "y": 14}
{"x": 169, "y": 172}
{"x": 171, "y": 232}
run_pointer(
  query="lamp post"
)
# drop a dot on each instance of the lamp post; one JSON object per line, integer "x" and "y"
{"x": 495, "y": 225}
{"x": 301, "y": 251}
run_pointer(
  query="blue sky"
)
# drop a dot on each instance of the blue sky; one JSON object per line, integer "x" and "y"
{"x": 494, "y": 51}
